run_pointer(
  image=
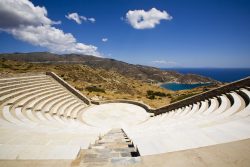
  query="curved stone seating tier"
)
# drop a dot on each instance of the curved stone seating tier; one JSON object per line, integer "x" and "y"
{"x": 75, "y": 111}
{"x": 44, "y": 118}
{"x": 56, "y": 107}
{"x": 10, "y": 86}
{"x": 225, "y": 104}
{"x": 180, "y": 117}
{"x": 194, "y": 109}
{"x": 38, "y": 98}
{"x": 63, "y": 107}
{"x": 20, "y": 90}
{"x": 69, "y": 109}
{"x": 246, "y": 111}
{"x": 21, "y": 100}
{"x": 45, "y": 104}
{"x": 23, "y": 80}
{"x": 11, "y": 98}
{"x": 37, "y": 120}
{"x": 186, "y": 110}
{"x": 203, "y": 107}
{"x": 219, "y": 123}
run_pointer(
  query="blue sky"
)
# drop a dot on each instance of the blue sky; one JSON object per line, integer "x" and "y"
{"x": 201, "y": 33}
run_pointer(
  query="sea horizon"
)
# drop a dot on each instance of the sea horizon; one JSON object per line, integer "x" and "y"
{"x": 220, "y": 74}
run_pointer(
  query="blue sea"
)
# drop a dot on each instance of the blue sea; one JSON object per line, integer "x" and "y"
{"x": 220, "y": 74}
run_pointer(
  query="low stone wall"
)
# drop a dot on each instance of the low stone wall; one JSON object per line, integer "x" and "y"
{"x": 69, "y": 87}
{"x": 203, "y": 96}
{"x": 141, "y": 104}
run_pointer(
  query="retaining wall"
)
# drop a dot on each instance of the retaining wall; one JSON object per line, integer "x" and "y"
{"x": 141, "y": 104}
{"x": 69, "y": 87}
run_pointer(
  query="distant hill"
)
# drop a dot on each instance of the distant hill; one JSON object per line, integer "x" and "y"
{"x": 140, "y": 72}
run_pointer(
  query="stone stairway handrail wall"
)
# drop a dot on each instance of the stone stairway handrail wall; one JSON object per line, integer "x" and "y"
{"x": 69, "y": 87}
{"x": 204, "y": 96}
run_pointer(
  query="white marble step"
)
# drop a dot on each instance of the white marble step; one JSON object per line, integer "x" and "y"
{"x": 13, "y": 97}
{"x": 11, "y": 85}
{"x": 203, "y": 107}
{"x": 21, "y": 100}
{"x": 69, "y": 109}
{"x": 45, "y": 103}
{"x": 62, "y": 110}
{"x": 213, "y": 106}
{"x": 75, "y": 112}
{"x": 30, "y": 103}
{"x": 21, "y": 78}
{"x": 246, "y": 111}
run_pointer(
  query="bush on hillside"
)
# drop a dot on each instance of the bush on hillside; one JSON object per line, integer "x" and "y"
{"x": 151, "y": 94}
{"x": 151, "y": 97}
{"x": 94, "y": 89}
{"x": 160, "y": 94}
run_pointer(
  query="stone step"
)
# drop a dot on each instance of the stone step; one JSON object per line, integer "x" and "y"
{"x": 112, "y": 148}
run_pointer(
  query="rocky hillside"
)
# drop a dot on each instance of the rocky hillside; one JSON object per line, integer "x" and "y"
{"x": 97, "y": 84}
{"x": 139, "y": 72}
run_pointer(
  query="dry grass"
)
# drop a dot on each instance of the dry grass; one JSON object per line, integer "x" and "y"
{"x": 115, "y": 85}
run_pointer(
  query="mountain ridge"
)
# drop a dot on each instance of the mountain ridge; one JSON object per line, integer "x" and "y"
{"x": 140, "y": 72}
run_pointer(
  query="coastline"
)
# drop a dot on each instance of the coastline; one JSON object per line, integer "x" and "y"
{"x": 172, "y": 82}
{"x": 175, "y": 86}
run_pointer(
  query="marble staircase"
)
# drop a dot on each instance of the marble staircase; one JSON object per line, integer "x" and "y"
{"x": 113, "y": 148}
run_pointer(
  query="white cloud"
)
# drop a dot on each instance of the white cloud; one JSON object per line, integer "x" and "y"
{"x": 78, "y": 19}
{"x": 17, "y": 18}
{"x": 75, "y": 17}
{"x": 53, "y": 39}
{"x": 91, "y": 19}
{"x": 22, "y": 12}
{"x": 141, "y": 19}
{"x": 164, "y": 62}
{"x": 57, "y": 22}
{"x": 104, "y": 39}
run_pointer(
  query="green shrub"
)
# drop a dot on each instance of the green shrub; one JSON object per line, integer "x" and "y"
{"x": 169, "y": 95}
{"x": 160, "y": 94}
{"x": 94, "y": 89}
{"x": 151, "y": 97}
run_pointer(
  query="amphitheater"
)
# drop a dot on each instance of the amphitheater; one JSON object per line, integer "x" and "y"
{"x": 46, "y": 122}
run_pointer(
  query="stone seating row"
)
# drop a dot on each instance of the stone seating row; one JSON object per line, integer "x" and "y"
{"x": 41, "y": 119}
{"x": 217, "y": 120}
{"x": 38, "y": 96}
